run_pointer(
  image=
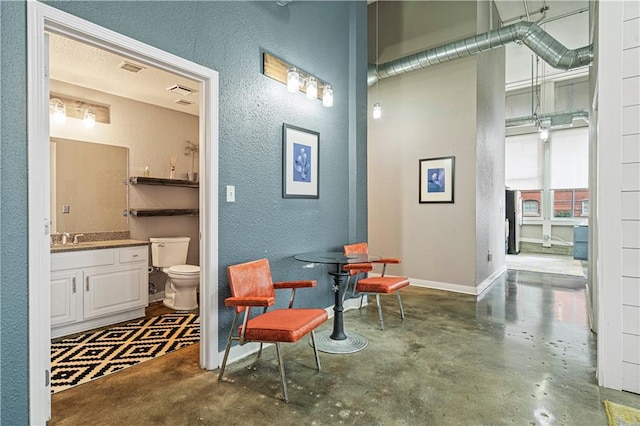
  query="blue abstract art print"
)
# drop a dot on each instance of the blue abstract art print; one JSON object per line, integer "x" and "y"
{"x": 436, "y": 180}
{"x": 301, "y": 163}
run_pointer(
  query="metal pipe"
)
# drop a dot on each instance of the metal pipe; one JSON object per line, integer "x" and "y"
{"x": 547, "y": 119}
{"x": 531, "y": 35}
{"x": 526, "y": 9}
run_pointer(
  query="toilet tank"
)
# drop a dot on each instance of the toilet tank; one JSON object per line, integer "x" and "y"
{"x": 169, "y": 251}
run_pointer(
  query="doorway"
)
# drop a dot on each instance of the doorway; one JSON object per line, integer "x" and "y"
{"x": 42, "y": 19}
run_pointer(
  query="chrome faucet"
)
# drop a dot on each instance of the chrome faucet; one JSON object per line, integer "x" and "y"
{"x": 75, "y": 238}
{"x": 65, "y": 238}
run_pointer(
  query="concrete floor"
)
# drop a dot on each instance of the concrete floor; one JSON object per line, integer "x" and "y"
{"x": 522, "y": 354}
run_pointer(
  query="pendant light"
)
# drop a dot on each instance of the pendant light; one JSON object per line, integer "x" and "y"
{"x": 89, "y": 119}
{"x": 377, "y": 108}
{"x": 293, "y": 80}
{"x": 312, "y": 88}
{"x": 327, "y": 96}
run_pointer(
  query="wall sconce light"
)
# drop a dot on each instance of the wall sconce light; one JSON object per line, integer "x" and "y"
{"x": 293, "y": 80}
{"x": 327, "y": 96}
{"x": 312, "y": 88}
{"x": 296, "y": 79}
{"x": 61, "y": 107}
{"x": 57, "y": 111}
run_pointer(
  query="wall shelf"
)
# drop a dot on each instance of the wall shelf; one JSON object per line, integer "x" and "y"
{"x": 143, "y": 180}
{"x": 163, "y": 212}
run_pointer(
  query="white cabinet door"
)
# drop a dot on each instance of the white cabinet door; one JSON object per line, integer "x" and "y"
{"x": 117, "y": 289}
{"x": 65, "y": 286}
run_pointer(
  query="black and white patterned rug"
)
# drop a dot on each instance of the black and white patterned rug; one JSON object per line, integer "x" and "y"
{"x": 89, "y": 356}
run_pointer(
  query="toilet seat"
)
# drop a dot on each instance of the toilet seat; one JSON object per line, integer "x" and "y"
{"x": 184, "y": 270}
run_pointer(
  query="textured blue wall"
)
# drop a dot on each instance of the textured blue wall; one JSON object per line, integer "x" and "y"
{"x": 327, "y": 39}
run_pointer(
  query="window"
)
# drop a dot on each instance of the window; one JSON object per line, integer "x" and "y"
{"x": 531, "y": 208}
{"x": 570, "y": 202}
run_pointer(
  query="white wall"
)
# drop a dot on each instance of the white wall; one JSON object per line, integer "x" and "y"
{"x": 152, "y": 134}
{"x": 434, "y": 113}
{"x": 630, "y": 168}
{"x": 618, "y": 207}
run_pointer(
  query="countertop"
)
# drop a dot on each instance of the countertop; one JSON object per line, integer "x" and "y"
{"x": 96, "y": 245}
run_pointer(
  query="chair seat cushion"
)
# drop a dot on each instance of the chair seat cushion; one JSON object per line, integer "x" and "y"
{"x": 381, "y": 284}
{"x": 284, "y": 325}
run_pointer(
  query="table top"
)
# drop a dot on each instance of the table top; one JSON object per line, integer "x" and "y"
{"x": 335, "y": 257}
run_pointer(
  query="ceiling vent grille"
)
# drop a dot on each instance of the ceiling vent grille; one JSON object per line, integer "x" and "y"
{"x": 131, "y": 67}
{"x": 180, "y": 90}
{"x": 183, "y": 102}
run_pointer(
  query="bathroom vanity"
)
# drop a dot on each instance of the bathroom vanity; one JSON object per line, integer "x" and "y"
{"x": 95, "y": 284}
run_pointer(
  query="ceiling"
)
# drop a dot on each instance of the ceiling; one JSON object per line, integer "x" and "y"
{"x": 83, "y": 65}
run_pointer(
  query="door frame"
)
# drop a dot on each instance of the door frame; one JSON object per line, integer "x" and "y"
{"x": 41, "y": 18}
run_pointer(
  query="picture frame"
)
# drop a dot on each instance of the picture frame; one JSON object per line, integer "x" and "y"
{"x": 437, "y": 180}
{"x": 300, "y": 162}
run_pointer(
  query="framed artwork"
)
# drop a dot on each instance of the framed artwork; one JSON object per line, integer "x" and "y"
{"x": 437, "y": 180}
{"x": 300, "y": 162}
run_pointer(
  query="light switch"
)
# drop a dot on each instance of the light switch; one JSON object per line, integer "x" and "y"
{"x": 231, "y": 194}
{"x": 65, "y": 209}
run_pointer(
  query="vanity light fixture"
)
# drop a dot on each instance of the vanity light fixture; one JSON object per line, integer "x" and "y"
{"x": 62, "y": 107}
{"x": 89, "y": 119}
{"x": 296, "y": 79}
{"x": 58, "y": 111}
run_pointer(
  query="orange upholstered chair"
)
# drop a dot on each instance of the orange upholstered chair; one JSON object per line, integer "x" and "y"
{"x": 252, "y": 286}
{"x": 374, "y": 285}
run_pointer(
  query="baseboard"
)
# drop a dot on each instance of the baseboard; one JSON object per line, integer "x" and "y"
{"x": 486, "y": 283}
{"x": 457, "y": 288}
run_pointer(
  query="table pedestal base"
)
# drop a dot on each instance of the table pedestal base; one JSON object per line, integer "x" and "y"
{"x": 353, "y": 343}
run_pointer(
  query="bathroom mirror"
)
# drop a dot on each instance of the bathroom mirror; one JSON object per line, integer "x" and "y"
{"x": 88, "y": 186}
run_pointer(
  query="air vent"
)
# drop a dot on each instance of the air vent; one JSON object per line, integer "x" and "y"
{"x": 131, "y": 67}
{"x": 183, "y": 102}
{"x": 180, "y": 90}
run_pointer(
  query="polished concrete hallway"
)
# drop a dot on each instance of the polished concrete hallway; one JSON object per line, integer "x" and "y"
{"x": 521, "y": 355}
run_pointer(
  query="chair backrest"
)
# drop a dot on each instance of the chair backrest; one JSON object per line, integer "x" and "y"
{"x": 250, "y": 279}
{"x": 358, "y": 248}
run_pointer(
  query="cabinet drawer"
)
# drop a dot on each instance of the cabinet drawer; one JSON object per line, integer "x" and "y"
{"x": 82, "y": 259}
{"x": 134, "y": 254}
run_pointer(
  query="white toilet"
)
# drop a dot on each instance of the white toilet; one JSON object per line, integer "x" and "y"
{"x": 170, "y": 254}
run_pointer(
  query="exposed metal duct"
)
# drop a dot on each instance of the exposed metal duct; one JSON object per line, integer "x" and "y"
{"x": 550, "y": 120}
{"x": 534, "y": 37}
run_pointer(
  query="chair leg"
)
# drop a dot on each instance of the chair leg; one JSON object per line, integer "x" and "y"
{"x": 400, "y": 303}
{"x": 284, "y": 380}
{"x": 226, "y": 352}
{"x": 315, "y": 348}
{"x": 379, "y": 310}
{"x": 260, "y": 350}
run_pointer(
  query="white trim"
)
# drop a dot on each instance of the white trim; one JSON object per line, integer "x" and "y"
{"x": 41, "y": 17}
{"x": 607, "y": 244}
{"x": 486, "y": 283}
{"x": 456, "y": 288}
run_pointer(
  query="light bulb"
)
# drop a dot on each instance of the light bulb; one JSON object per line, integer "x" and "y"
{"x": 544, "y": 134}
{"x": 312, "y": 88}
{"x": 89, "y": 119}
{"x": 293, "y": 80}
{"x": 58, "y": 111}
{"x": 377, "y": 111}
{"x": 327, "y": 96}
